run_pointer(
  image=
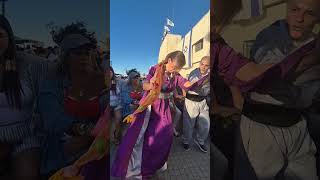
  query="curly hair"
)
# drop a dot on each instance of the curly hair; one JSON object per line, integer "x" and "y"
{"x": 132, "y": 70}
{"x": 74, "y": 28}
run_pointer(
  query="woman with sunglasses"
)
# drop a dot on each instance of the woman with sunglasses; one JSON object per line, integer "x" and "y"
{"x": 71, "y": 100}
{"x": 131, "y": 92}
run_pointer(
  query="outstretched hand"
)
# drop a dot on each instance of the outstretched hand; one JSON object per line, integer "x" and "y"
{"x": 70, "y": 171}
{"x": 129, "y": 119}
{"x": 153, "y": 83}
{"x": 316, "y": 50}
{"x": 224, "y": 111}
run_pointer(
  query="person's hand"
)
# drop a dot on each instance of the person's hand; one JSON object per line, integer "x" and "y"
{"x": 180, "y": 98}
{"x": 224, "y": 111}
{"x": 315, "y": 53}
{"x": 70, "y": 171}
{"x": 152, "y": 82}
{"x": 312, "y": 58}
{"x": 316, "y": 50}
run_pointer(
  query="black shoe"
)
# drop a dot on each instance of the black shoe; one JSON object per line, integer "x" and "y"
{"x": 175, "y": 132}
{"x": 186, "y": 147}
{"x": 203, "y": 148}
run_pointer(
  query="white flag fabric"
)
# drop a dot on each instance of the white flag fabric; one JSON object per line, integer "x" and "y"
{"x": 166, "y": 28}
{"x": 170, "y": 23}
{"x": 187, "y": 49}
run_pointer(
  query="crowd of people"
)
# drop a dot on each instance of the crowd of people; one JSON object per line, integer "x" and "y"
{"x": 53, "y": 113}
{"x": 49, "y": 53}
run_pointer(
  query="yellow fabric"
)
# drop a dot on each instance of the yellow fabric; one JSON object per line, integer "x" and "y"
{"x": 59, "y": 176}
{"x": 152, "y": 96}
{"x": 98, "y": 149}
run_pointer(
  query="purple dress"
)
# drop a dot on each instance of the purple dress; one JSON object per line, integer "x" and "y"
{"x": 96, "y": 170}
{"x": 146, "y": 146}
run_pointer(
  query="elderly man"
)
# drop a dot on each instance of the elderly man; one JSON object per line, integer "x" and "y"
{"x": 196, "y": 109}
{"x": 273, "y": 127}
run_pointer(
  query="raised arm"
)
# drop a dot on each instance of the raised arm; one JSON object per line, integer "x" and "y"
{"x": 187, "y": 85}
{"x": 235, "y": 69}
{"x": 147, "y": 86}
{"x": 148, "y": 83}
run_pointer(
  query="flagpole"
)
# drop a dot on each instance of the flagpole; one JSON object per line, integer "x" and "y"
{"x": 172, "y": 9}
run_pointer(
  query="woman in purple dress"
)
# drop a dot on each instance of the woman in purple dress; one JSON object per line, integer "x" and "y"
{"x": 146, "y": 146}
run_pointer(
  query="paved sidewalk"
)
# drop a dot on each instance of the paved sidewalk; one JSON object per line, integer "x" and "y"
{"x": 184, "y": 165}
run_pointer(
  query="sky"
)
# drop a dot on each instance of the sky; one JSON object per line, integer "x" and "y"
{"x": 28, "y": 18}
{"x": 136, "y": 28}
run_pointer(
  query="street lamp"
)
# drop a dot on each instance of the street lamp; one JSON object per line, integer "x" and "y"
{"x": 3, "y": 7}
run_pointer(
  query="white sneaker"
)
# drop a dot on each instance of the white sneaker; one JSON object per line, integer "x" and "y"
{"x": 164, "y": 167}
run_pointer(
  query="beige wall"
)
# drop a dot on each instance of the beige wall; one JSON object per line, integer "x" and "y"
{"x": 173, "y": 42}
{"x": 200, "y": 31}
{"x": 238, "y": 32}
{"x": 169, "y": 44}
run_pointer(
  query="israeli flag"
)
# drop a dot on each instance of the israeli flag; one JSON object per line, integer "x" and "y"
{"x": 166, "y": 29}
{"x": 170, "y": 23}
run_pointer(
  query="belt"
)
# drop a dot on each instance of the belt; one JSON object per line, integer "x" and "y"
{"x": 193, "y": 97}
{"x": 164, "y": 95}
{"x": 272, "y": 115}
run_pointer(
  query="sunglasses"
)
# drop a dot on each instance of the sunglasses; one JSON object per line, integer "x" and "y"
{"x": 136, "y": 77}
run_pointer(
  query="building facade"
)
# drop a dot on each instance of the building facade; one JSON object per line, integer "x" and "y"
{"x": 195, "y": 44}
{"x": 242, "y": 33}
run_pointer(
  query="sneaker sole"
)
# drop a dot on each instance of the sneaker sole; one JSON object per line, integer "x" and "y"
{"x": 200, "y": 146}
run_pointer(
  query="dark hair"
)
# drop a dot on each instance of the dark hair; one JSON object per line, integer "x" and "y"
{"x": 11, "y": 79}
{"x": 74, "y": 28}
{"x": 130, "y": 77}
{"x": 113, "y": 79}
{"x": 132, "y": 70}
{"x": 178, "y": 56}
{"x": 113, "y": 74}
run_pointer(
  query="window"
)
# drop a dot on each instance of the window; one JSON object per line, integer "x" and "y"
{"x": 198, "y": 45}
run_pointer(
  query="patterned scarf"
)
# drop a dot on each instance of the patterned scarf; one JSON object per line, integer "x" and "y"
{"x": 98, "y": 149}
{"x": 152, "y": 95}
